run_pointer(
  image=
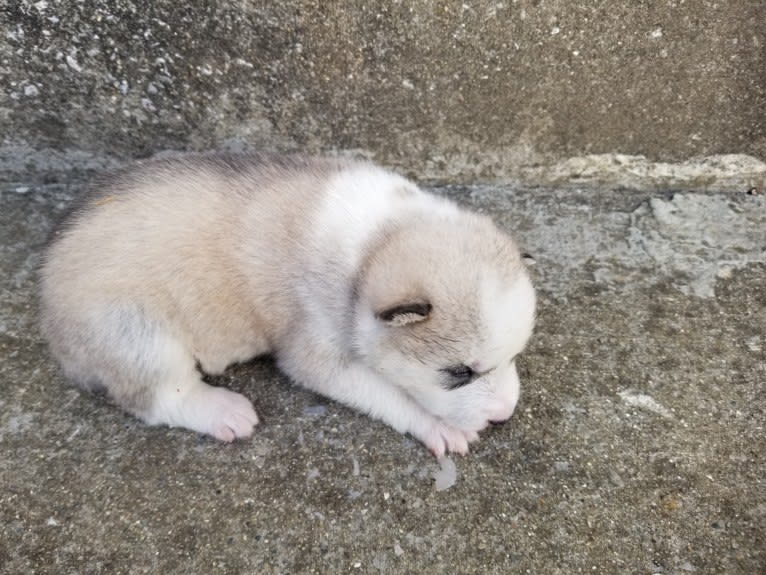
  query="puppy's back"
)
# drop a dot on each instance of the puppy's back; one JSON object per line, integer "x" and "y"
{"x": 195, "y": 241}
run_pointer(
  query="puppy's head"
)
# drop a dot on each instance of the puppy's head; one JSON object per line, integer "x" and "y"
{"x": 442, "y": 310}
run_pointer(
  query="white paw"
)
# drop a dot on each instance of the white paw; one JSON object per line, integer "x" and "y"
{"x": 216, "y": 411}
{"x": 441, "y": 438}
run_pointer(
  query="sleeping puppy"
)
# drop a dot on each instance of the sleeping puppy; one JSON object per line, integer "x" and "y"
{"x": 366, "y": 290}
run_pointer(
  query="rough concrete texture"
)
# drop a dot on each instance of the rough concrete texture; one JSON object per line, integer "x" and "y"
{"x": 464, "y": 90}
{"x": 638, "y": 445}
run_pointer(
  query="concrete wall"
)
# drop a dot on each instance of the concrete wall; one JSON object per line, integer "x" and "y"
{"x": 447, "y": 90}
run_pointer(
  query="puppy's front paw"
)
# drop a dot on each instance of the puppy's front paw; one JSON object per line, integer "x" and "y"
{"x": 441, "y": 438}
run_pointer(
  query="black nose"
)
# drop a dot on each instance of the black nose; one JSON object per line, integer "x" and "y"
{"x": 498, "y": 422}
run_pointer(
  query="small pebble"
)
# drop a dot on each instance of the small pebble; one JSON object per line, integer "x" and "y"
{"x": 315, "y": 410}
{"x": 446, "y": 476}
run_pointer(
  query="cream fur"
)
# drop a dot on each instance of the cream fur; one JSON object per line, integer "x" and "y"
{"x": 364, "y": 287}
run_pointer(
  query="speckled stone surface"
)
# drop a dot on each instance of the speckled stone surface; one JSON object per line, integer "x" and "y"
{"x": 448, "y": 90}
{"x": 638, "y": 445}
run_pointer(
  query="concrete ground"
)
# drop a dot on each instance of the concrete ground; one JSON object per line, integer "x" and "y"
{"x": 638, "y": 445}
{"x": 453, "y": 90}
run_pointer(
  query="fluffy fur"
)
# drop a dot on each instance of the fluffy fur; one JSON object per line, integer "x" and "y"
{"x": 366, "y": 289}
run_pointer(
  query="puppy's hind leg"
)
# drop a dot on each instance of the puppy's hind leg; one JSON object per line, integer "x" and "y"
{"x": 182, "y": 399}
{"x": 150, "y": 373}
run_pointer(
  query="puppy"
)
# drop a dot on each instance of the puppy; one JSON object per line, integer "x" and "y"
{"x": 366, "y": 290}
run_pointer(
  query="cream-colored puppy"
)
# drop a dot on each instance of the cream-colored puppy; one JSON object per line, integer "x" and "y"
{"x": 366, "y": 289}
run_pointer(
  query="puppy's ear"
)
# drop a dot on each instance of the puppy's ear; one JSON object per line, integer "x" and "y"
{"x": 404, "y": 314}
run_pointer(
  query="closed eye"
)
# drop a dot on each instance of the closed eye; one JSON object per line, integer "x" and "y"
{"x": 458, "y": 376}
